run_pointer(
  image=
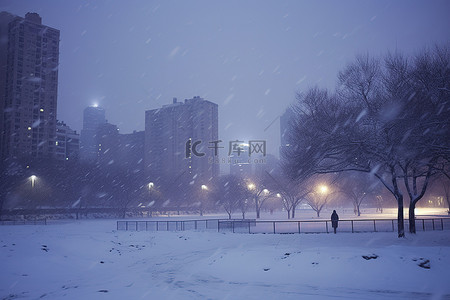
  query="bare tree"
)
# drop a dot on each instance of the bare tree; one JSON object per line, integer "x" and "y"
{"x": 258, "y": 193}
{"x": 292, "y": 192}
{"x": 232, "y": 192}
{"x": 357, "y": 187}
{"x": 376, "y": 123}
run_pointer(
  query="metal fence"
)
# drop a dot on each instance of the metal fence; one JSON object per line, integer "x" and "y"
{"x": 206, "y": 224}
{"x": 283, "y": 227}
{"x": 24, "y": 222}
{"x": 324, "y": 226}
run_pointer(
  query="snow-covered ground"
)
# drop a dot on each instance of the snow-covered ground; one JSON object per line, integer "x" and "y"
{"x": 88, "y": 259}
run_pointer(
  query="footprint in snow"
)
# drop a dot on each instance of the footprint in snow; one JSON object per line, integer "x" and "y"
{"x": 369, "y": 257}
{"x": 423, "y": 263}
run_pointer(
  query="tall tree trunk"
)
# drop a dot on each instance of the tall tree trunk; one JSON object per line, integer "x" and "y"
{"x": 257, "y": 208}
{"x": 318, "y": 213}
{"x": 243, "y": 215}
{"x": 412, "y": 217}
{"x": 400, "y": 218}
{"x": 229, "y": 215}
{"x": 293, "y": 211}
{"x": 288, "y": 214}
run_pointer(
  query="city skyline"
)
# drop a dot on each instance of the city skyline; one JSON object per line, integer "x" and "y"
{"x": 251, "y": 57}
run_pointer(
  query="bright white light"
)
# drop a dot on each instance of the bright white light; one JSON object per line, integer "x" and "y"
{"x": 323, "y": 189}
{"x": 204, "y": 187}
{"x": 151, "y": 185}
{"x": 251, "y": 186}
{"x": 95, "y": 104}
{"x": 33, "y": 180}
{"x": 265, "y": 191}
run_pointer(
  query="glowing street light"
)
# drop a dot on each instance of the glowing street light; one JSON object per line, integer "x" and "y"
{"x": 204, "y": 187}
{"x": 251, "y": 186}
{"x": 33, "y": 180}
{"x": 323, "y": 189}
{"x": 278, "y": 195}
{"x": 151, "y": 185}
{"x": 265, "y": 191}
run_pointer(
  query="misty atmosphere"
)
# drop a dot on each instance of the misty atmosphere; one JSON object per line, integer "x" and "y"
{"x": 224, "y": 150}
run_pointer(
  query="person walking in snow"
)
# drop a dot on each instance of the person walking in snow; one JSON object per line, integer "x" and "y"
{"x": 334, "y": 220}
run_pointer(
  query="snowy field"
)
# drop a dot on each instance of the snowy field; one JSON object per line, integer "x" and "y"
{"x": 89, "y": 259}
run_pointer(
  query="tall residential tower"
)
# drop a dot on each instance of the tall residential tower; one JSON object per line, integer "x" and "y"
{"x": 93, "y": 118}
{"x": 29, "y": 84}
{"x": 173, "y": 128}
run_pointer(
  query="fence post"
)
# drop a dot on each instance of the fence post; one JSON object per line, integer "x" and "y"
{"x": 442, "y": 224}
{"x": 167, "y": 225}
{"x": 433, "y": 223}
{"x": 352, "y": 227}
{"x": 195, "y": 224}
{"x": 136, "y": 226}
{"x": 126, "y": 225}
{"x": 374, "y": 226}
{"x": 392, "y": 225}
{"x": 249, "y": 231}
{"x": 157, "y": 225}
{"x": 298, "y": 225}
{"x": 146, "y": 225}
{"x": 232, "y": 225}
{"x": 326, "y": 225}
{"x": 423, "y": 224}
{"x": 274, "y": 230}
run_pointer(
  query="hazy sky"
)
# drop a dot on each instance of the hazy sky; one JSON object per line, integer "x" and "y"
{"x": 250, "y": 57}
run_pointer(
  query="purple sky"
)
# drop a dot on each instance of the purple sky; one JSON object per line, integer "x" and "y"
{"x": 250, "y": 57}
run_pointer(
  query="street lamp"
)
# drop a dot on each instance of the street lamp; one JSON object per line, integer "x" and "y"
{"x": 151, "y": 185}
{"x": 265, "y": 191}
{"x": 251, "y": 186}
{"x": 323, "y": 189}
{"x": 33, "y": 180}
{"x": 204, "y": 187}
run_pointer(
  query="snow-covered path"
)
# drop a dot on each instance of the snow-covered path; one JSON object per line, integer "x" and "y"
{"x": 89, "y": 260}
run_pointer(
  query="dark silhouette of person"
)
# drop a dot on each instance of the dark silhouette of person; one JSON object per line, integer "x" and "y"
{"x": 334, "y": 220}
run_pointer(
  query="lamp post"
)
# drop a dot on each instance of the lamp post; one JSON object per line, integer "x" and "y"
{"x": 323, "y": 189}
{"x": 204, "y": 190}
{"x": 151, "y": 186}
{"x": 33, "y": 180}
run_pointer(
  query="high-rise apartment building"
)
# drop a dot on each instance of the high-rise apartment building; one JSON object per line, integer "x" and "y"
{"x": 122, "y": 151}
{"x": 67, "y": 143}
{"x": 29, "y": 83}
{"x": 177, "y": 135}
{"x": 93, "y": 118}
{"x": 5, "y": 18}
